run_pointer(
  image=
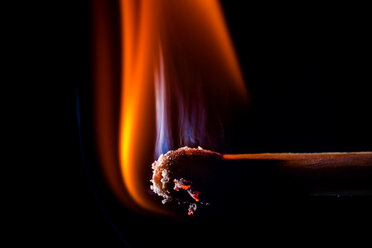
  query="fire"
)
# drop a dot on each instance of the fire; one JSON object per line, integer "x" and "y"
{"x": 179, "y": 78}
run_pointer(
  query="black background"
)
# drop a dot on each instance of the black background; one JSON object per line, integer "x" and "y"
{"x": 307, "y": 69}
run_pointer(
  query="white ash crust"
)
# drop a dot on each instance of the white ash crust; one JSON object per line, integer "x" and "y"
{"x": 161, "y": 176}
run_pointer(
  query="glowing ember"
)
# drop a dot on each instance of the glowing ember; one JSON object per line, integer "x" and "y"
{"x": 185, "y": 184}
{"x": 192, "y": 209}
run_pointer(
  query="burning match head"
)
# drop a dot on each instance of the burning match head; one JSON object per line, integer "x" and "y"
{"x": 180, "y": 175}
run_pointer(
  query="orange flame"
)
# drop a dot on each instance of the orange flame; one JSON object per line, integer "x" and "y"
{"x": 191, "y": 32}
{"x": 105, "y": 79}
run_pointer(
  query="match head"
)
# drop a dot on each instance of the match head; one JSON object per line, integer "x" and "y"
{"x": 180, "y": 175}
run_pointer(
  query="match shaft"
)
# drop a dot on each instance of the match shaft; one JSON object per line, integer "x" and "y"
{"x": 311, "y": 160}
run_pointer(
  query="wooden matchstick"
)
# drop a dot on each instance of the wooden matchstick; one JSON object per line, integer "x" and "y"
{"x": 196, "y": 176}
{"x": 310, "y": 160}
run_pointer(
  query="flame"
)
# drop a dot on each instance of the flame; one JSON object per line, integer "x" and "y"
{"x": 179, "y": 78}
{"x": 105, "y": 80}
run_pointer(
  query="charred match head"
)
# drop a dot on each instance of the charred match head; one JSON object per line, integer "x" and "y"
{"x": 180, "y": 175}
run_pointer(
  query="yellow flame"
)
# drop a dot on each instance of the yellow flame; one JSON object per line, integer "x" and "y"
{"x": 137, "y": 96}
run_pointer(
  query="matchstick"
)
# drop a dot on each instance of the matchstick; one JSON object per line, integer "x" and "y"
{"x": 196, "y": 176}
{"x": 307, "y": 160}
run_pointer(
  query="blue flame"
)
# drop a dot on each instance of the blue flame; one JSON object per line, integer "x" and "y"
{"x": 189, "y": 115}
{"x": 163, "y": 139}
{"x": 190, "y": 106}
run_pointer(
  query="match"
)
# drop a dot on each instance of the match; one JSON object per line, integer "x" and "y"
{"x": 198, "y": 177}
